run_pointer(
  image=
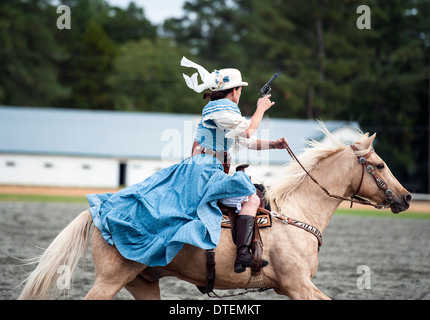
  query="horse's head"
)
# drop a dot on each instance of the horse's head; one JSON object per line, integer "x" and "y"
{"x": 378, "y": 184}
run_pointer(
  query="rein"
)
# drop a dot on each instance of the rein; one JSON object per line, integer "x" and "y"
{"x": 354, "y": 199}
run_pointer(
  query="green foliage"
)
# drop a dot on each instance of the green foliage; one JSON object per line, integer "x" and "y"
{"x": 148, "y": 77}
{"x": 29, "y": 55}
{"x": 129, "y": 24}
{"x": 41, "y": 198}
{"x": 95, "y": 63}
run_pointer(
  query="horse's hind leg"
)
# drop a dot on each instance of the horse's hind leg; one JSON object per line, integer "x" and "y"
{"x": 143, "y": 289}
{"x": 113, "y": 271}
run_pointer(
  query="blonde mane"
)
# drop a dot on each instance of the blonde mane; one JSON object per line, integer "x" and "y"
{"x": 294, "y": 175}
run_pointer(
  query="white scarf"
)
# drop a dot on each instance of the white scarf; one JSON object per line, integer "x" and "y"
{"x": 207, "y": 78}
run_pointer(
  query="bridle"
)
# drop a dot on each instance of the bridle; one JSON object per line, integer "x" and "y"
{"x": 379, "y": 181}
{"x": 355, "y": 198}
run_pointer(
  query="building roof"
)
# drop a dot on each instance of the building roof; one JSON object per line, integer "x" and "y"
{"x": 119, "y": 134}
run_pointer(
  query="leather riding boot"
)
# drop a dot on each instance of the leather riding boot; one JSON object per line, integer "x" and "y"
{"x": 244, "y": 233}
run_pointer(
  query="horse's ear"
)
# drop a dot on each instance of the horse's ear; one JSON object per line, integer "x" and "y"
{"x": 367, "y": 142}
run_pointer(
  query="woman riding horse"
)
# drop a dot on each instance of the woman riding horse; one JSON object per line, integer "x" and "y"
{"x": 149, "y": 222}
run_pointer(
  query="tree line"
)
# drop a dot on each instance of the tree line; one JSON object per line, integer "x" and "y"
{"x": 116, "y": 59}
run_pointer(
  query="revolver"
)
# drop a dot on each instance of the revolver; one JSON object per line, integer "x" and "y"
{"x": 266, "y": 88}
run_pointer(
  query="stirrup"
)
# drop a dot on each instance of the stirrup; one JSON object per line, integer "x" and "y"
{"x": 240, "y": 267}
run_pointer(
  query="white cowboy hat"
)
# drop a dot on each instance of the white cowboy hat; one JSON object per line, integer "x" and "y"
{"x": 218, "y": 80}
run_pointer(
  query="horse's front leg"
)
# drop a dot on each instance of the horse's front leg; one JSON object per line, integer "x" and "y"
{"x": 318, "y": 295}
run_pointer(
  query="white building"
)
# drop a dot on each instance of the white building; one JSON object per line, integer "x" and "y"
{"x": 108, "y": 149}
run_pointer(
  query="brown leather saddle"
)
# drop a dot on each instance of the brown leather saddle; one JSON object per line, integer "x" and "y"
{"x": 263, "y": 220}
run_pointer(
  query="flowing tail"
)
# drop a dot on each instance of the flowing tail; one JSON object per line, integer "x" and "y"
{"x": 59, "y": 260}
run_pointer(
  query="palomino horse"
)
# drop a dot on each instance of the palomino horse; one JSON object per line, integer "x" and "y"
{"x": 292, "y": 252}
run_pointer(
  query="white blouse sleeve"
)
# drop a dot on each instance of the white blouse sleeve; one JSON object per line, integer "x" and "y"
{"x": 235, "y": 125}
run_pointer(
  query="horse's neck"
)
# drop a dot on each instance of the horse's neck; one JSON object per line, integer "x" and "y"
{"x": 309, "y": 202}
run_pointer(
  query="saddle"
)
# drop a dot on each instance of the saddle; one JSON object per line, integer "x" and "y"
{"x": 263, "y": 220}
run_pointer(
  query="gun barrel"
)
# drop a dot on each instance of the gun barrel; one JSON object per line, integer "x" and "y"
{"x": 265, "y": 90}
{"x": 273, "y": 78}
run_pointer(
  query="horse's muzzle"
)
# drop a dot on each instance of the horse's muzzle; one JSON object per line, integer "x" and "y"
{"x": 401, "y": 203}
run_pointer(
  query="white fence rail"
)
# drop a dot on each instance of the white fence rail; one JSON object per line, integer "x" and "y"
{"x": 420, "y": 197}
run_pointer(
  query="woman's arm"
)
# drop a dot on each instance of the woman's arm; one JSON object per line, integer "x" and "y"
{"x": 259, "y": 144}
{"x": 240, "y": 128}
{"x": 263, "y": 104}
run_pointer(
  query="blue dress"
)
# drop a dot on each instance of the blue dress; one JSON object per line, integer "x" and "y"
{"x": 149, "y": 222}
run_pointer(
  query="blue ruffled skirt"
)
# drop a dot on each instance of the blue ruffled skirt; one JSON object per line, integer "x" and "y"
{"x": 149, "y": 222}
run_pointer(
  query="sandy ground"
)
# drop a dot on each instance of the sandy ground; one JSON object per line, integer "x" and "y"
{"x": 396, "y": 252}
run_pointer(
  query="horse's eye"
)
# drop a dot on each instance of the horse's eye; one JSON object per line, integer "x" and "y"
{"x": 380, "y": 166}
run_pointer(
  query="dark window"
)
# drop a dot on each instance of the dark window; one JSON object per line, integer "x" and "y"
{"x": 122, "y": 173}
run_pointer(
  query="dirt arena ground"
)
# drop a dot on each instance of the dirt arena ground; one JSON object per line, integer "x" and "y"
{"x": 395, "y": 251}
